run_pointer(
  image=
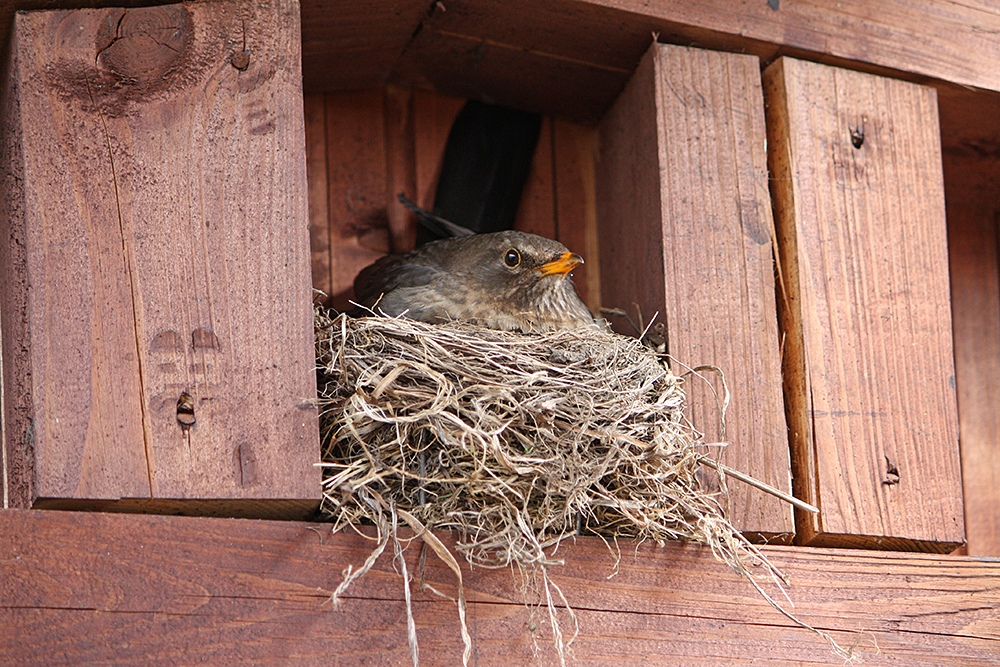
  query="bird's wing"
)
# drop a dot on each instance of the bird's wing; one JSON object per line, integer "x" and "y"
{"x": 390, "y": 274}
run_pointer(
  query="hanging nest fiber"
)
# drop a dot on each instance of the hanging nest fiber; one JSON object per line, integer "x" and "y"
{"x": 513, "y": 441}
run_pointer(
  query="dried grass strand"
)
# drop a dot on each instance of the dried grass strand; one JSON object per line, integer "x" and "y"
{"x": 515, "y": 442}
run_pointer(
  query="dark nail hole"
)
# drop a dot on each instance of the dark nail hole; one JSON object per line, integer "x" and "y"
{"x": 891, "y": 473}
{"x": 857, "y": 137}
{"x": 185, "y": 411}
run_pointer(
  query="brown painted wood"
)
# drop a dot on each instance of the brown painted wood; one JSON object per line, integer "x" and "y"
{"x": 17, "y": 427}
{"x": 537, "y": 213}
{"x": 975, "y": 289}
{"x": 433, "y": 116}
{"x": 357, "y": 187}
{"x": 314, "y": 108}
{"x": 165, "y": 235}
{"x": 685, "y": 231}
{"x": 573, "y": 57}
{"x": 574, "y": 149}
{"x": 401, "y": 166}
{"x": 972, "y": 181}
{"x": 355, "y": 45}
{"x": 869, "y": 365}
{"x": 85, "y": 588}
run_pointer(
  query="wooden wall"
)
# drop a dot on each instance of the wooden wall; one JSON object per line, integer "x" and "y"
{"x": 383, "y": 81}
{"x": 363, "y": 148}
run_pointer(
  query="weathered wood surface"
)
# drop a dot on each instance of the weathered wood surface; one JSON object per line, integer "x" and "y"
{"x": 972, "y": 181}
{"x": 574, "y": 149}
{"x": 685, "y": 232}
{"x": 357, "y": 188}
{"x": 379, "y": 143}
{"x": 869, "y": 370}
{"x": 314, "y": 109}
{"x": 573, "y": 57}
{"x": 88, "y": 588}
{"x": 162, "y": 220}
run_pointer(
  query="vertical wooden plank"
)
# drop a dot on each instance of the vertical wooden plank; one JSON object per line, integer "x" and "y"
{"x": 314, "y": 106}
{"x": 975, "y": 292}
{"x": 685, "y": 230}
{"x": 574, "y": 150}
{"x": 16, "y": 393}
{"x": 970, "y": 126}
{"x": 856, "y": 163}
{"x": 400, "y": 167}
{"x": 536, "y": 214}
{"x": 356, "y": 168}
{"x": 167, "y": 244}
{"x": 433, "y": 116}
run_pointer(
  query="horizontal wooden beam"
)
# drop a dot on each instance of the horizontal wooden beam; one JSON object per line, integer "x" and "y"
{"x": 80, "y": 588}
{"x": 578, "y": 54}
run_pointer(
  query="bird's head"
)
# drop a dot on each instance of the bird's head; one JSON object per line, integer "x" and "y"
{"x": 521, "y": 273}
{"x": 512, "y": 262}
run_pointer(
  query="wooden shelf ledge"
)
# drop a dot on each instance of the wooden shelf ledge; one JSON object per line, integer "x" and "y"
{"x": 82, "y": 588}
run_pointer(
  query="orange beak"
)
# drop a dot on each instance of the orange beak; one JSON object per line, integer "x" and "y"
{"x": 562, "y": 264}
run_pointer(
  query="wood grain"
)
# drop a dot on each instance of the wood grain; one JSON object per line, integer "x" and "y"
{"x": 16, "y": 414}
{"x": 357, "y": 187}
{"x": 239, "y": 592}
{"x": 537, "y": 213}
{"x": 355, "y": 45}
{"x": 972, "y": 180}
{"x": 574, "y": 56}
{"x": 574, "y": 151}
{"x": 314, "y": 108}
{"x": 433, "y": 116}
{"x": 401, "y": 166}
{"x": 686, "y": 232}
{"x": 869, "y": 365}
{"x": 166, "y": 238}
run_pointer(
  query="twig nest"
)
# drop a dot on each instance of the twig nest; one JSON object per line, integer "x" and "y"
{"x": 514, "y": 440}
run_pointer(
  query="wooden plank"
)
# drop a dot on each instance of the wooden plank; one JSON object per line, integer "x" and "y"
{"x": 686, "y": 232}
{"x": 972, "y": 179}
{"x": 478, "y": 67}
{"x": 358, "y": 187}
{"x": 16, "y": 414}
{"x": 572, "y": 58}
{"x": 314, "y": 108}
{"x": 352, "y": 46}
{"x": 165, "y": 232}
{"x": 87, "y": 588}
{"x": 574, "y": 149}
{"x": 433, "y": 116}
{"x": 975, "y": 290}
{"x": 869, "y": 366}
{"x": 537, "y": 214}
{"x": 400, "y": 166}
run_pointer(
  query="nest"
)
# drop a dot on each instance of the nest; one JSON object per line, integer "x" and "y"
{"x": 513, "y": 441}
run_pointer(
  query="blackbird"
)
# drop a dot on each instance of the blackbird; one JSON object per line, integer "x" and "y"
{"x": 505, "y": 280}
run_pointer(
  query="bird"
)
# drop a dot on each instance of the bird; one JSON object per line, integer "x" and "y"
{"x": 509, "y": 280}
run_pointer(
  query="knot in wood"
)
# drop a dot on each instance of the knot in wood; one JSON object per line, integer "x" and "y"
{"x": 143, "y": 44}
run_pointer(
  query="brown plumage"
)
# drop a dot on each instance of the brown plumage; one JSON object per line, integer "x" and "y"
{"x": 506, "y": 280}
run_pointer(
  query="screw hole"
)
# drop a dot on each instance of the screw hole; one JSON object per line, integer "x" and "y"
{"x": 858, "y": 137}
{"x": 185, "y": 411}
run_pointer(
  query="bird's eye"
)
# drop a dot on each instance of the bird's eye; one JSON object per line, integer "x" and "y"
{"x": 512, "y": 258}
